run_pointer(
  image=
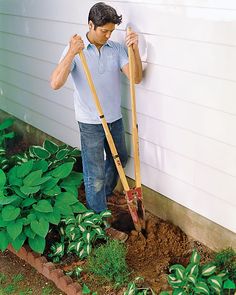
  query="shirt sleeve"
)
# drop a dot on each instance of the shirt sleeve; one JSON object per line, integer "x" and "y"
{"x": 123, "y": 56}
{"x": 64, "y": 54}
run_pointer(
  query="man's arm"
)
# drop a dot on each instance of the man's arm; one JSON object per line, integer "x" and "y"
{"x": 62, "y": 71}
{"x": 132, "y": 40}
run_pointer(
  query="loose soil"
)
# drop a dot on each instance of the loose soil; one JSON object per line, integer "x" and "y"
{"x": 149, "y": 255}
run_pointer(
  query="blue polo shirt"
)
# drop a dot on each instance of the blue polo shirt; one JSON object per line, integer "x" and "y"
{"x": 105, "y": 67}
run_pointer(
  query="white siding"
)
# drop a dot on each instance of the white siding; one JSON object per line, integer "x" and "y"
{"x": 186, "y": 102}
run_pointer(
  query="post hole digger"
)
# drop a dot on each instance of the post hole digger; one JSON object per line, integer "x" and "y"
{"x": 133, "y": 196}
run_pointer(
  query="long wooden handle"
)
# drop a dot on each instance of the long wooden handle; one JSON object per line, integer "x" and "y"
{"x": 104, "y": 124}
{"x": 134, "y": 116}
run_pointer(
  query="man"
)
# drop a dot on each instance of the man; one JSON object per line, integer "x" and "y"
{"x": 106, "y": 60}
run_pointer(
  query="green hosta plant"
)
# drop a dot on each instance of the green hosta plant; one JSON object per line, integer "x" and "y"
{"x": 133, "y": 289}
{"x": 197, "y": 279}
{"x": 4, "y": 134}
{"x": 78, "y": 234}
{"x": 50, "y": 152}
{"x": 32, "y": 197}
{"x": 76, "y": 272}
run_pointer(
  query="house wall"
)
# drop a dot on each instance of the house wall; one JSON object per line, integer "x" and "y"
{"x": 186, "y": 105}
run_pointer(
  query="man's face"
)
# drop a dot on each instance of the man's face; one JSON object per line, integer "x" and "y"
{"x": 102, "y": 34}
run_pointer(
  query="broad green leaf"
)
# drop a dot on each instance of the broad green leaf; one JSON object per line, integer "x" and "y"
{"x": 192, "y": 269}
{"x": 29, "y": 233}
{"x": 40, "y": 152}
{"x": 75, "y": 178}
{"x": 208, "y": 269}
{"x": 14, "y": 229}
{"x": 24, "y": 169}
{"x": 9, "y": 135}
{"x": 195, "y": 258}
{"x": 50, "y": 146}
{"x": 40, "y": 227}
{"x": 27, "y": 190}
{"x": 50, "y": 183}
{"x": 66, "y": 198}
{"x": 19, "y": 192}
{"x": 64, "y": 210}
{"x": 202, "y": 288}
{"x": 33, "y": 178}
{"x": 19, "y": 242}
{"x": 43, "y": 206}
{"x": 62, "y": 171}
{"x": 40, "y": 165}
{"x": 28, "y": 202}
{"x": 85, "y": 289}
{"x": 179, "y": 270}
{"x": 37, "y": 244}
{"x": 62, "y": 154}
{"x": 6, "y": 123}
{"x": 105, "y": 214}
{"x": 75, "y": 152}
{"x": 4, "y": 240}
{"x": 70, "y": 189}
{"x": 56, "y": 190}
{"x": 8, "y": 199}
{"x": 78, "y": 208}
{"x": 3, "y": 178}
{"x": 179, "y": 292}
{"x": 10, "y": 213}
{"x": 228, "y": 284}
{"x": 54, "y": 217}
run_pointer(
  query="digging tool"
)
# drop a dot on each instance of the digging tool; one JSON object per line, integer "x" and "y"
{"x": 133, "y": 196}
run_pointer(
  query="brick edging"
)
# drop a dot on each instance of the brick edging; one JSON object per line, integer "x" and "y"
{"x": 49, "y": 270}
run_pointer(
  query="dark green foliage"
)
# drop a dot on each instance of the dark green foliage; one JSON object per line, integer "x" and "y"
{"x": 198, "y": 279}
{"x": 4, "y": 136}
{"x": 36, "y": 194}
{"x": 225, "y": 261}
{"x": 78, "y": 234}
{"x": 108, "y": 262}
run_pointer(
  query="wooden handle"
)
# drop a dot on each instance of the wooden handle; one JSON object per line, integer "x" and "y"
{"x": 134, "y": 115}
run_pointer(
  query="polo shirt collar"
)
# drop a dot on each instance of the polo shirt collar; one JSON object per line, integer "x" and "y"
{"x": 87, "y": 43}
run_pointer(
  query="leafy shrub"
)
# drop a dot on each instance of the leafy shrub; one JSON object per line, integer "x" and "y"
{"x": 196, "y": 279}
{"x": 78, "y": 234}
{"x": 51, "y": 152}
{"x": 32, "y": 197}
{"x": 4, "y": 136}
{"x": 108, "y": 262}
{"x": 225, "y": 261}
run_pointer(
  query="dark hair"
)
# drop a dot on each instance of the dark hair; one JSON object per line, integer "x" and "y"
{"x": 101, "y": 14}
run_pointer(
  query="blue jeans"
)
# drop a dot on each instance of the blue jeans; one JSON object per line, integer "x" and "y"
{"x": 100, "y": 173}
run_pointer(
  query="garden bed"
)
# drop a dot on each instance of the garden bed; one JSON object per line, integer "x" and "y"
{"x": 43, "y": 209}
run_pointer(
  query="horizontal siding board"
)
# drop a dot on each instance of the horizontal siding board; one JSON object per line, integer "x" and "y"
{"x": 42, "y": 106}
{"x": 165, "y": 51}
{"x": 189, "y": 196}
{"x": 43, "y": 123}
{"x": 168, "y": 20}
{"x": 63, "y": 96}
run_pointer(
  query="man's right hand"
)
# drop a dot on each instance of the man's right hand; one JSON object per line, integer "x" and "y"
{"x": 76, "y": 44}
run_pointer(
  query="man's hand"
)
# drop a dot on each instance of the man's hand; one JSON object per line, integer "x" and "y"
{"x": 131, "y": 39}
{"x": 76, "y": 44}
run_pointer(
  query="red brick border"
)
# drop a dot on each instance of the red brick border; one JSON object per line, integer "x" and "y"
{"x": 49, "y": 270}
